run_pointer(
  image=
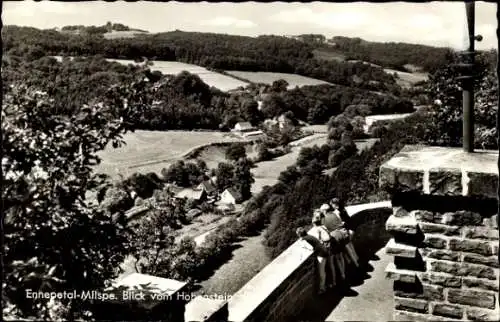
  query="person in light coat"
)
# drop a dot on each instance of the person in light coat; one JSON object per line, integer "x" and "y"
{"x": 325, "y": 263}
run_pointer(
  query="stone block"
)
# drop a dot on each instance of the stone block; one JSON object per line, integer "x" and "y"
{"x": 491, "y": 222}
{"x": 471, "y": 246}
{"x": 474, "y": 314}
{"x": 423, "y": 291}
{"x": 435, "y": 241}
{"x": 491, "y": 261}
{"x": 442, "y": 254}
{"x": 445, "y": 182}
{"x": 413, "y": 305}
{"x": 440, "y": 229}
{"x": 482, "y": 184}
{"x": 409, "y": 316}
{"x": 387, "y": 178}
{"x": 427, "y": 216}
{"x": 471, "y": 297}
{"x": 481, "y": 283}
{"x": 402, "y": 275}
{"x": 462, "y": 218}
{"x": 401, "y": 250}
{"x": 441, "y": 279}
{"x": 447, "y": 310}
{"x": 462, "y": 269}
{"x": 409, "y": 180}
{"x": 405, "y": 225}
{"x": 481, "y": 233}
{"x": 399, "y": 212}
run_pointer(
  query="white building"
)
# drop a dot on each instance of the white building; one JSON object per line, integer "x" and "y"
{"x": 243, "y": 127}
{"x": 230, "y": 197}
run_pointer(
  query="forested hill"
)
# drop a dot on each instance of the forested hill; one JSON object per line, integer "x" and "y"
{"x": 229, "y": 52}
{"x": 400, "y": 56}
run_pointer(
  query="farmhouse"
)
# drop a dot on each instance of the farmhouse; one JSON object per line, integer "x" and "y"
{"x": 208, "y": 186}
{"x": 192, "y": 194}
{"x": 254, "y": 135}
{"x": 243, "y": 127}
{"x": 230, "y": 196}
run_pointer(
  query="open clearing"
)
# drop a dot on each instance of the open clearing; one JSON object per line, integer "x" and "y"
{"x": 268, "y": 78}
{"x": 222, "y": 82}
{"x": 266, "y": 173}
{"x": 151, "y": 151}
{"x": 408, "y": 79}
{"x": 328, "y": 55}
{"x": 124, "y": 34}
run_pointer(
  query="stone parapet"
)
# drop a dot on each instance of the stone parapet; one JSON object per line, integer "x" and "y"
{"x": 441, "y": 172}
{"x": 206, "y": 309}
{"x": 445, "y": 234}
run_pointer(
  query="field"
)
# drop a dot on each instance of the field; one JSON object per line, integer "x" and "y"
{"x": 266, "y": 173}
{"x": 328, "y": 55}
{"x": 222, "y": 82}
{"x": 268, "y": 78}
{"x": 151, "y": 151}
{"x": 407, "y": 79}
{"x": 123, "y": 34}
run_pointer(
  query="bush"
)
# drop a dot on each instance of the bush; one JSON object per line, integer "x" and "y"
{"x": 236, "y": 151}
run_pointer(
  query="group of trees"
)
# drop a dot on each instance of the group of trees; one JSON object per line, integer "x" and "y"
{"x": 236, "y": 173}
{"x": 393, "y": 55}
{"x": 356, "y": 177}
{"x": 186, "y": 174}
{"x": 263, "y": 53}
{"x": 316, "y": 104}
{"x": 53, "y": 236}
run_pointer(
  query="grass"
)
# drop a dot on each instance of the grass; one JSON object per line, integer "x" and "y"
{"x": 407, "y": 79}
{"x": 203, "y": 223}
{"x": 222, "y": 82}
{"x": 328, "y": 55}
{"x": 123, "y": 34}
{"x": 151, "y": 151}
{"x": 266, "y": 173}
{"x": 247, "y": 260}
{"x": 268, "y": 78}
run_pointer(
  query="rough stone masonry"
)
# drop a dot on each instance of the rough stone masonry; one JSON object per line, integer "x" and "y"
{"x": 445, "y": 234}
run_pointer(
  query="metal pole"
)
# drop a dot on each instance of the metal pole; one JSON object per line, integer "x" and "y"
{"x": 468, "y": 86}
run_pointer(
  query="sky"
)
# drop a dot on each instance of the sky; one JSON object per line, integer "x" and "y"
{"x": 432, "y": 23}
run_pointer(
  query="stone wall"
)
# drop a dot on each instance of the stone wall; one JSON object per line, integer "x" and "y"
{"x": 280, "y": 290}
{"x": 445, "y": 234}
{"x": 287, "y": 285}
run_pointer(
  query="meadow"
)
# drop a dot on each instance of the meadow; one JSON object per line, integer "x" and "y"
{"x": 408, "y": 79}
{"x": 222, "y": 82}
{"x": 123, "y": 34}
{"x": 151, "y": 151}
{"x": 268, "y": 78}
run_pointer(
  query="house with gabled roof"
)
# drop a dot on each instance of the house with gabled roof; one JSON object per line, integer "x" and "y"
{"x": 230, "y": 196}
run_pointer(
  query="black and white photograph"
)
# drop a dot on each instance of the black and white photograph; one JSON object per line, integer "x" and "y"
{"x": 250, "y": 161}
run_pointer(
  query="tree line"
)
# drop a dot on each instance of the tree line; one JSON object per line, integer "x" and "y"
{"x": 227, "y": 52}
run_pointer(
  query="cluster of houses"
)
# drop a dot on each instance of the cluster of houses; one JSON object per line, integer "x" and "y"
{"x": 207, "y": 192}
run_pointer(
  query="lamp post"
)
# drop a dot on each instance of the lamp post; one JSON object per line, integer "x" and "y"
{"x": 467, "y": 79}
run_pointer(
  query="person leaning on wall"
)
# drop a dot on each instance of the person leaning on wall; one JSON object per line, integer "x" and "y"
{"x": 319, "y": 238}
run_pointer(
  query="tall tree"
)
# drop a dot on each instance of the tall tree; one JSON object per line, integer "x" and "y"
{"x": 54, "y": 238}
{"x": 243, "y": 178}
